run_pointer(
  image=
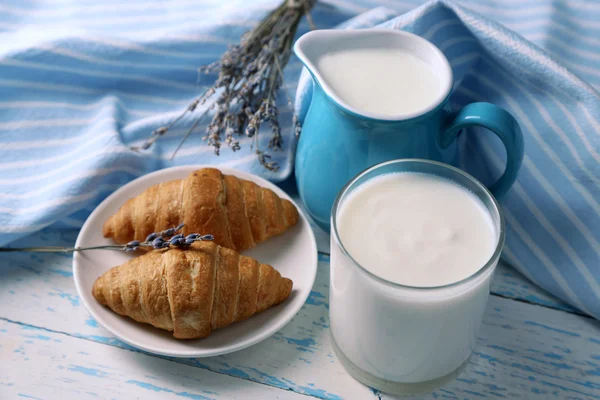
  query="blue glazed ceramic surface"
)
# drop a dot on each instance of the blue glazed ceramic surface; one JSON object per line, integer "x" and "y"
{"x": 338, "y": 142}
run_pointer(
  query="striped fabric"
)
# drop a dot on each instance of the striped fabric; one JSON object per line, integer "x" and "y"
{"x": 81, "y": 81}
{"x": 553, "y": 210}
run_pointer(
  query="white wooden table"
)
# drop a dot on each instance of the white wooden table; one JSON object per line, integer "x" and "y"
{"x": 531, "y": 346}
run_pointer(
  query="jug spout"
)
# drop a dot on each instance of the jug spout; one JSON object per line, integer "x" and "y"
{"x": 312, "y": 46}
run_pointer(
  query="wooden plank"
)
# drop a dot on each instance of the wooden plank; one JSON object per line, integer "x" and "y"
{"x": 522, "y": 348}
{"x": 39, "y": 364}
{"x": 512, "y": 284}
{"x": 507, "y": 282}
{"x": 529, "y": 352}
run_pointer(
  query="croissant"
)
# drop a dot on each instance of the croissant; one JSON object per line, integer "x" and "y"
{"x": 238, "y": 213}
{"x": 191, "y": 292}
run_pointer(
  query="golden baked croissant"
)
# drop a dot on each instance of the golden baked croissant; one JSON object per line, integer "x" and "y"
{"x": 238, "y": 213}
{"x": 191, "y": 292}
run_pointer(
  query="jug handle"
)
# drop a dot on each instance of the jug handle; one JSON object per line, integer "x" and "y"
{"x": 500, "y": 122}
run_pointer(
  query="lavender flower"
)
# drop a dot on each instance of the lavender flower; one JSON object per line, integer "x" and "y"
{"x": 158, "y": 243}
{"x": 132, "y": 246}
{"x": 157, "y": 240}
{"x": 151, "y": 237}
{"x": 249, "y": 75}
{"x": 177, "y": 240}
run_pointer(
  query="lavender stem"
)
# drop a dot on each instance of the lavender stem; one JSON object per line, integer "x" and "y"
{"x": 157, "y": 240}
{"x": 58, "y": 249}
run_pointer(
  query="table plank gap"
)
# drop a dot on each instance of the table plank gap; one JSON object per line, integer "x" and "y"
{"x": 525, "y": 301}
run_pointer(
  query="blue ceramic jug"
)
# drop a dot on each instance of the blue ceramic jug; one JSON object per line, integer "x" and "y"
{"x": 338, "y": 141}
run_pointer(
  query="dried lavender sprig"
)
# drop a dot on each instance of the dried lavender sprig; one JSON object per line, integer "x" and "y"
{"x": 249, "y": 75}
{"x": 194, "y": 125}
{"x": 156, "y": 240}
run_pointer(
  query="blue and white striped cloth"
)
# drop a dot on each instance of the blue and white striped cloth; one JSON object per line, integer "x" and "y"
{"x": 80, "y": 81}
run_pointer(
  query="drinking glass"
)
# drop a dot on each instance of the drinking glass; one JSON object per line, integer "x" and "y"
{"x": 402, "y": 339}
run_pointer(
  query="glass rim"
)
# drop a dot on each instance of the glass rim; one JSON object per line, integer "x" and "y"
{"x": 496, "y": 208}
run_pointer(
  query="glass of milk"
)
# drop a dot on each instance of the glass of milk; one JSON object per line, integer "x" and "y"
{"x": 414, "y": 244}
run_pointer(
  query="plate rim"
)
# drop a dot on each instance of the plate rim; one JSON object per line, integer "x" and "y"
{"x": 262, "y": 334}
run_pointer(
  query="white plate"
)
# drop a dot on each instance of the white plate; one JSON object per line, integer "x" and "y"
{"x": 293, "y": 254}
